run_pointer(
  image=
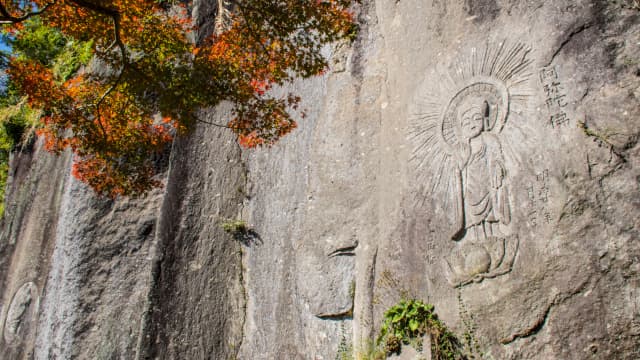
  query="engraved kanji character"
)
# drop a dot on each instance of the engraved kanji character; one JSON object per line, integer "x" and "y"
{"x": 533, "y": 217}
{"x": 558, "y": 119}
{"x": 554, "y": 95}
{"x": 530, "y": 192}
{"x": 553, "y": 89}
{"x": 560, "y": 101}
{"x": 543, "y": 194}
{"x": 548, "y": 73}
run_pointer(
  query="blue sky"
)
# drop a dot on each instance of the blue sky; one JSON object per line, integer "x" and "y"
{"x": 3, "y": 46}
{"x": 3, "y": 79}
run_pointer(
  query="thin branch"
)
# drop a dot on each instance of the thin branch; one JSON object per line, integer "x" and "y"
{"x": 282, "y": 28}
{"x": 7, "y": 18}
{"x": 114, "y": 15}
{"x": 252, "y": 31}
{"x": 213, "y": 124}
{"x": 109, "y": 90}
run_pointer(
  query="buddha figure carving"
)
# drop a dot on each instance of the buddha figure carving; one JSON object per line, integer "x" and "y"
{"x": 485, "y": 193}
{"x": 483, "y": 213}
{"x": 461, "y": 163}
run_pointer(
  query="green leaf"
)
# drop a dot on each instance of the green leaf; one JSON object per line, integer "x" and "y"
{"x": 413, "y": 324}
{"x": 397, "y": 318}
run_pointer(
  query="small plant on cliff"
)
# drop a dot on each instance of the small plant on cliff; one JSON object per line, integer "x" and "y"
{"x": 241, "y": 231}
{"x": 408, "y": 321}
{"x": 234, "y": 226}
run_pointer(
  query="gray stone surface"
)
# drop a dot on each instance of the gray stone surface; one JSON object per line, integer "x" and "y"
{"x": 32, "y": 205}
{"x": 97, "y": 285}
{"x": 196, "y": 304}
{"x": 532, "y": 179}
{"x": 479, "y": 155}
{"x": 20, "y": 312}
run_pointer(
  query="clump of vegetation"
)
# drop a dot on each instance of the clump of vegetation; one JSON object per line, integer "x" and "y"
{"x": 151, "y": 78}
{"x": 408, "y": 321}
{"x": 234, "y": 226}
{"x": 17, "y": 124}
{"x": 47, "y": 46}
{"x": 241, "y": 231}
{"x": 18, "y": 120}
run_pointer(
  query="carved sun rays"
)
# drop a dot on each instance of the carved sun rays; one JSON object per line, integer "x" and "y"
{"x": 436, "y": 156}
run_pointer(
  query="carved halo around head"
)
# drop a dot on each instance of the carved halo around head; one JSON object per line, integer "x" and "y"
{"x": 479, "y": 90}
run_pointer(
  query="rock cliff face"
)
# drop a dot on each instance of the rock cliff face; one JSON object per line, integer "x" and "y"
{"x": 479, "y": 155}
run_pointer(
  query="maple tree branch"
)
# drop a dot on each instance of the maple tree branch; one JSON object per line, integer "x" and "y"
{"x": 7, "y": 18}
{"x": 213, "y": 124}
{"x": 251, "y": 29}
{"x": 109, "y": 90}
{"x": 275, "y": 25}
{"x": 114, "y": 15}
{"x": 104, "y": 132}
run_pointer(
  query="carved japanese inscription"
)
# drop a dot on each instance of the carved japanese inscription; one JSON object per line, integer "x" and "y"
{"x": 460, "y": 157}
{"x": 538, "y": 200}
{"x": 555, "y": 97}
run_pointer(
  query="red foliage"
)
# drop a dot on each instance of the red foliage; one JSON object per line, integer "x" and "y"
{"x": 108, "y": 118}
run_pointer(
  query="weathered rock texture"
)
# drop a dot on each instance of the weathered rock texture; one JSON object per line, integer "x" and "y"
{"x": 480, "y": 155}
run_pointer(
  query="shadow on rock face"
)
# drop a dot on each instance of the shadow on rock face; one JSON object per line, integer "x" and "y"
{"x": 248, "y": 237}
{"x": 482, "y": 10}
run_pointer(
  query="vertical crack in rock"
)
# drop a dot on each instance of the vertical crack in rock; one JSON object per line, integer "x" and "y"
{"x": 357, "y": 60}
{"x": 242, "y": 270}
{"x": 156, "y": 255}
{"x": 572, "y": 35}
{"x": 370, "y": 290}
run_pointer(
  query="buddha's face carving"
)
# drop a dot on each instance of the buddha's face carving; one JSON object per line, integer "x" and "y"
{"x": 473, "y": 114}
